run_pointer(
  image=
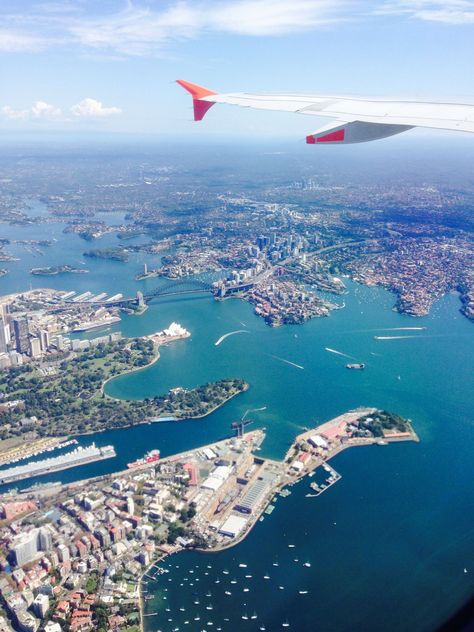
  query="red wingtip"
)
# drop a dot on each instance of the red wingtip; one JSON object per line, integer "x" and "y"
{"x": 310, "y": 140}
{"x": 198, "y": 92}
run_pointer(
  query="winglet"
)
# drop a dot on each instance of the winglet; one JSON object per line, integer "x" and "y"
{"x": 198, "y": 93}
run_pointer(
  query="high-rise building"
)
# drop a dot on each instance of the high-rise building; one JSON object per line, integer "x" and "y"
{"x": 45, "y": 539}
{"x": 22, "y": 334}
{"x": 44, "y": 338}
{"x": 63, "y": 553}
{"x": 5, "y": 336}
{"x": 35, "y": 347}
{"x": 26, "y": 547}
{"x": 40, "y": 605}
{"x": 5, "y": 312}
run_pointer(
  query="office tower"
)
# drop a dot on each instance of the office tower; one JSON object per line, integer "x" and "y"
{"x": 35, "y": 347}
{"x": 44, "y": 338}
{"x": 21, "y": 333}
{"x": 26, "y": 547}
{"x": 5, "y": 336}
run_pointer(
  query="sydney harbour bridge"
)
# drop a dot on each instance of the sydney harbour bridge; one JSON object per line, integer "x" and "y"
{"x": 172, "y": 288}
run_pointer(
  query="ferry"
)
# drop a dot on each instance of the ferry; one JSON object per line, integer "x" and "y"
{"x": 150, "y": 457}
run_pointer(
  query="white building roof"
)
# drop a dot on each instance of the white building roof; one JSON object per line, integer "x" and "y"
{"x": 222, "y": 472}
{"x": 213, "y": 483}
{"x": 233, "y": 526}
{"x": 318, "y": 441}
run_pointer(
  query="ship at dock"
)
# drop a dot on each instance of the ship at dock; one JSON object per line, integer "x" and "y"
{"x": 80, "y": 456}
{"x": 150, "y": 457}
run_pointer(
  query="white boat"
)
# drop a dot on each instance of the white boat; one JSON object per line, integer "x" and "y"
{"x": 227, "y": 592}
{"x": 242, "y": 565}
{"x": 248, "y": 576}
{"x": 266, "y": 577}
{"x": 291, "y": 546}
{"x": 254, "y": 616}
{"x": 245, "y": 617}
{"x": 303, "y": 592}
{"x": 307, "y": 564}
{"x": 246, "y": 590}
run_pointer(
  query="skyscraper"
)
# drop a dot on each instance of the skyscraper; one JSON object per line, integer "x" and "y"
{"x": 5, "y": 336}
{"x": 21, "y": 332}
{"x": 35, "y": 347}
{"x": 26, "y": 547}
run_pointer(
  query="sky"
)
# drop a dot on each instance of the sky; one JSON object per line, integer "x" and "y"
{"x": 110, "y": 66}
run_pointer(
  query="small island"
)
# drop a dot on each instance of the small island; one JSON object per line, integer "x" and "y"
{"x": 61, "y": 269}
{"x": 112, "y": 254}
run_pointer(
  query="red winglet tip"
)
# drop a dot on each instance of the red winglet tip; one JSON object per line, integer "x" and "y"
{"x": 197, "y": 92}
{"x": 310, "y": 140}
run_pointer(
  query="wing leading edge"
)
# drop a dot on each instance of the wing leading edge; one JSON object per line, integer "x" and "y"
{"x": 358, "y": 120}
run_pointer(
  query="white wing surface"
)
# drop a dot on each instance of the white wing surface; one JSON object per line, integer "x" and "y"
{"x": 357, "y": 119}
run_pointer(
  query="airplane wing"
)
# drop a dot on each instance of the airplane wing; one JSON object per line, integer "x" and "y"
{"x": 356, "y": 119}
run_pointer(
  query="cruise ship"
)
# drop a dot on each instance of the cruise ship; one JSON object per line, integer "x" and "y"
{"x": 80, "y": 456}
{"x": 150, "y": 457}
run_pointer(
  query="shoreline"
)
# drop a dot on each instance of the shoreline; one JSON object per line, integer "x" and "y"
{"x": 279, "y": 486}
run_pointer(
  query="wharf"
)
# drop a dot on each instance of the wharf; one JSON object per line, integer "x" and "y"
{"x": 77, "y": 457}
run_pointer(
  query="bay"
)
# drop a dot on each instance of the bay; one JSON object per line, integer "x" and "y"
{"x": 389, "y": 543}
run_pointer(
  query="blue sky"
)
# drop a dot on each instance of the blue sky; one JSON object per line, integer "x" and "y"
{"x": 109, "y": 65}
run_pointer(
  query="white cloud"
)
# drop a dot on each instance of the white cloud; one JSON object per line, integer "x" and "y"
{"x": 43, "y": 110}
{"x": 274, "y": 17}
{"x": 455, "y": 12}
{"x": 12, "y": 41}
{"x": 90, "y": 108}
{"x": 139, "y": 30}
{"x": 146, "y": 28}
{"x": 14, "y": 115}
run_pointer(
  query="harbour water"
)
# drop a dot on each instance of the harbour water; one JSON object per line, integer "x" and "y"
{"x": 388, "y": 545}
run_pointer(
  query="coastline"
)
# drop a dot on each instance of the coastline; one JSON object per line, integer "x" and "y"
{"x": 278, "y": 487}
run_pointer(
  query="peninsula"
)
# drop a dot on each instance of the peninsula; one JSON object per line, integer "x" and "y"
{"x": 207, "y": 498}
{"x": 72, "y": 399}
